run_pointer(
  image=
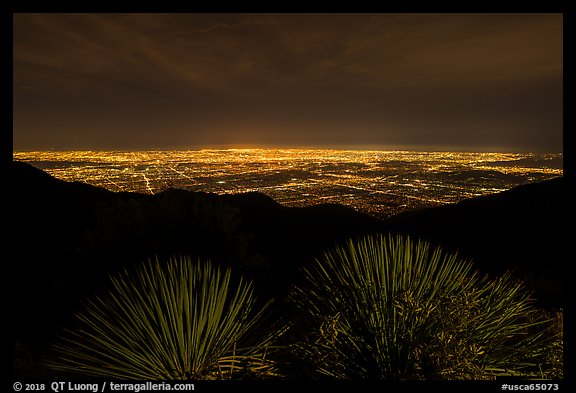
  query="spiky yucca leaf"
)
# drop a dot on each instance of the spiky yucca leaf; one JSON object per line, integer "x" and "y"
{"x": 388, "y": 307}
{"x": 180, "y": 320}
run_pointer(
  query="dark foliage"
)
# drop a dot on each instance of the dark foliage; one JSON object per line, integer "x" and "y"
{"x": 66, "y": 238}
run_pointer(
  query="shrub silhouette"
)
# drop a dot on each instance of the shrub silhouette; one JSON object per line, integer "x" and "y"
{"x": 388, "y": 307}
{"x": 178, "y": 321}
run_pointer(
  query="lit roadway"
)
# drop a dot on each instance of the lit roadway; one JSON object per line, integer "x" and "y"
{"x": 376, "y": 182}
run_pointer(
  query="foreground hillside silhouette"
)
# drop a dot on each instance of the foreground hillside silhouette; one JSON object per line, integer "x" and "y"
{"x": 66, "y": 238}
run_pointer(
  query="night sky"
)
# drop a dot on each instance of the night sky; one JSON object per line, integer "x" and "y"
{"x": 472, "y": 82}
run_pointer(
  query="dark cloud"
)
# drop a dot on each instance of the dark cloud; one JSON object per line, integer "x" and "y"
{"x": 476, "y": 81}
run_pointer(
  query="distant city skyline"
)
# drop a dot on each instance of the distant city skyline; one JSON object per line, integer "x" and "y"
{"x": 463, "y": 82}
{"x": 375, "y": 182}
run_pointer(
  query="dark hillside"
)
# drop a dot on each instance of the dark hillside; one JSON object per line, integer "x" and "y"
{"x": 66, "y": 238}
{"x": 523, "y": 230}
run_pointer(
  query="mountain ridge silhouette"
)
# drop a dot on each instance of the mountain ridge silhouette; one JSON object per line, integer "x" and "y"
{"x": 66, "y": 238}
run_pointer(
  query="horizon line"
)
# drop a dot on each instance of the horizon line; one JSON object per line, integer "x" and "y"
{"x": 237, "y": 147}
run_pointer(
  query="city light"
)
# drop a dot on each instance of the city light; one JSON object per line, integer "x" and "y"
{"x": 380, "y": 183}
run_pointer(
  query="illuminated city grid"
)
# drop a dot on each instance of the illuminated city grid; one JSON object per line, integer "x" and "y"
{"x": 380, "y": 183}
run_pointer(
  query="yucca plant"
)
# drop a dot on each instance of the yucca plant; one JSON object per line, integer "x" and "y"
{"x": 180, "y": 320}
{"x": 388, "y": 307}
